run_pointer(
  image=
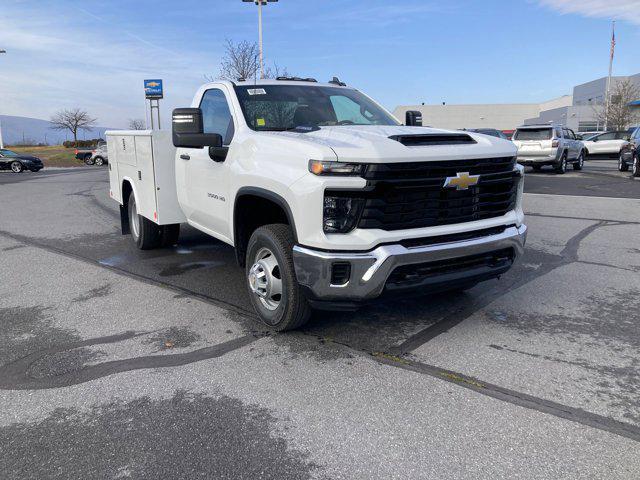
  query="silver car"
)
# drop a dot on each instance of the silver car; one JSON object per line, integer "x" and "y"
{"x": 99, "y": 156}
{"x": 540, "y": 145}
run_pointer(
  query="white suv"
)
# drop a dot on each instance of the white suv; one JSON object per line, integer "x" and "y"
{"x": 540, "y": 145}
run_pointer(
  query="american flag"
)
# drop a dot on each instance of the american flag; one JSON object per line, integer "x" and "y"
{"x": 613, "y": 42}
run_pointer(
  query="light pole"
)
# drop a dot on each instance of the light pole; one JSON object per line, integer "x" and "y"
{"x": 1, "y": 142}
{"x": 260, "y": 3}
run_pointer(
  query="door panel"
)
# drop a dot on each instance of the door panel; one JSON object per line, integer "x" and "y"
{"x": 207, "y": 182}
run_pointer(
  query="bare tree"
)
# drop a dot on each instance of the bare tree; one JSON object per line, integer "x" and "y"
{"x": 73, "y": 120}
{"x": 620, "y": 114}
{"x": 137, "y": 124}
{"x": 240, "y": 60}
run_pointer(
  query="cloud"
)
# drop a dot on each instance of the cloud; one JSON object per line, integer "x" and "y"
{"x": 62, "y": 58}
{"x": 625, "y": 10}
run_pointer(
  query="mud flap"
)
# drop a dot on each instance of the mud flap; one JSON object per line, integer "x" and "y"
{"x": 124, "y": 220}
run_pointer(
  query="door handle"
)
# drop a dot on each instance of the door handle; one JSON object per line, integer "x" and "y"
{"x": 184, "y": 156}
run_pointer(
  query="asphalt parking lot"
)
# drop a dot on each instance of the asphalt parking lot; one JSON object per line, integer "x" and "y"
{"x": 118, "y": 363}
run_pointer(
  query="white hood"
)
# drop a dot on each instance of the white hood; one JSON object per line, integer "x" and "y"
{"x": 371, "y": 144}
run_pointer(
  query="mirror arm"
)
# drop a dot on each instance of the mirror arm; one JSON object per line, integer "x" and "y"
{"x": 218, "y": 154}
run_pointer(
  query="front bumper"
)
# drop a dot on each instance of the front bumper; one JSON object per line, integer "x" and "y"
{"x": 371, "y": 270}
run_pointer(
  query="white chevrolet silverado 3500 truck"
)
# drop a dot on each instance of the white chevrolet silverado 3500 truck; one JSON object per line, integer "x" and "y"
{"x": 328, "y": 200}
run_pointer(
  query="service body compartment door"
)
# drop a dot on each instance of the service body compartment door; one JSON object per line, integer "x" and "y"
{"x": 145, "y": 178}
{"x": 115, "y": 191}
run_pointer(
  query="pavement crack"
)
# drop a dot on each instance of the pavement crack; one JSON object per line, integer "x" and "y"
{"x": 520, "y": 399}
{"x": 15, "y": 375}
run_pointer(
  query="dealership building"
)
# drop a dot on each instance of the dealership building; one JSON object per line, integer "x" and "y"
{"x": 576, "y": 111}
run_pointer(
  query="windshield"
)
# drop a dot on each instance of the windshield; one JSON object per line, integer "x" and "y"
{"x": 533, "y": 134}
{"x": 8, "y": 153}
{"x": 285, "y": 107}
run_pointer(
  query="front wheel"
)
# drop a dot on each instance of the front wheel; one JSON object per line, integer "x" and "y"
{"x": 561, "y": 167}
{"x": 636, "y": 166}
{"x": 271, "y": 279}
{"x": 622, "y": 165}
{"x": 144, "y": 232}
{"x": 16, "y": 167}
{"x": 579, "y": 163}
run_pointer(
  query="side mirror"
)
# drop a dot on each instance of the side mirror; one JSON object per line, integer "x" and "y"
{"x": 413, "y": 118}
{"x": 187, "y": 130}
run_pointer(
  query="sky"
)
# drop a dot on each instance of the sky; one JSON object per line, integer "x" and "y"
{"x": 95, "y": 54}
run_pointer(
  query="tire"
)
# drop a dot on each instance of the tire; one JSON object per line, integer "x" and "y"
{"x": 537, "y": 168}
{"x": 145, "y": 233}
{"x": 88, "y": 160}
{"x": 579, "y": 163}
{"x": 622, "y": 165}
{"x": 16, "y": 167}
{"x": 99, "y": 161}
{"x": 561, "y": 167}
{"x": 269, "y": 256}
{"x": 169, "y": 235}
{"x": 636, "y": 166}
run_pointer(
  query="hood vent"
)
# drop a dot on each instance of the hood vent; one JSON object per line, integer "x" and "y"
{"x": 433, "y": 139}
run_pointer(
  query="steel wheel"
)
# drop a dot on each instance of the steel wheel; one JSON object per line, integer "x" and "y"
{"x": 16, "y": 167}
{"x": 265, "y": 279}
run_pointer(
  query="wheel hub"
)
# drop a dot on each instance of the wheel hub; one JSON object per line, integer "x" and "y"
{"x": 264, "y": 279}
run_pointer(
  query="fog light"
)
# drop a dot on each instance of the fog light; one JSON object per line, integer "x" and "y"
{"x": 340, "y": 273}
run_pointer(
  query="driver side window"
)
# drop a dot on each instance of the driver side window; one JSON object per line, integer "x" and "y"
{"x": 349, "y": 111}
{"x": 216, "y": 117}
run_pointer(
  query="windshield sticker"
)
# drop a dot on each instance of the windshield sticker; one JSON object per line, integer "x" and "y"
{"x": 260, "y": 122}
{"x": 256, "y": 91}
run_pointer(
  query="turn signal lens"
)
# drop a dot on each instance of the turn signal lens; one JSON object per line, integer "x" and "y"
{"x": 318, "y": 167}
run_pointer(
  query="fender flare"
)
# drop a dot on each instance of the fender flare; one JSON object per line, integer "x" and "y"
{"x": 268, "y": 195}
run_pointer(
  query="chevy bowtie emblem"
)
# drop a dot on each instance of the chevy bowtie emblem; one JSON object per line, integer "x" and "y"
{"x": 462, "y": 181}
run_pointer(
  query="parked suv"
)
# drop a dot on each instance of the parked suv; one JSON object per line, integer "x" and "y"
{"x": 630, "y": 154}
{"x": 554, "y": 145}
{"x": 606, "y": 143}
{"x": 99, "y": 156}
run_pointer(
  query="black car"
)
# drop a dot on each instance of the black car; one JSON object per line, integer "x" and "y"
{"x": 630, "y": 154}
{"x": 17, "y": 162}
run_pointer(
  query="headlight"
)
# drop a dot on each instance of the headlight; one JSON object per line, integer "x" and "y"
{"x": 318, "y": 167}
{"x": 341, "y": 214}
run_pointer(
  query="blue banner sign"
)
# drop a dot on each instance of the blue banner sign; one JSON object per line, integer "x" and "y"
{"x": 153, "y": 88}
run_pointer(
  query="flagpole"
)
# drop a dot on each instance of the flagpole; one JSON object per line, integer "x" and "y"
{"x": 608, "y": 89}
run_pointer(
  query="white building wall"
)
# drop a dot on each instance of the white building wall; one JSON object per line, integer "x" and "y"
{"x": 502, "y": 117}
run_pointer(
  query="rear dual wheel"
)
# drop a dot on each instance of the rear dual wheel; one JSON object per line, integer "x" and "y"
{"x": 148, "y": 235}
